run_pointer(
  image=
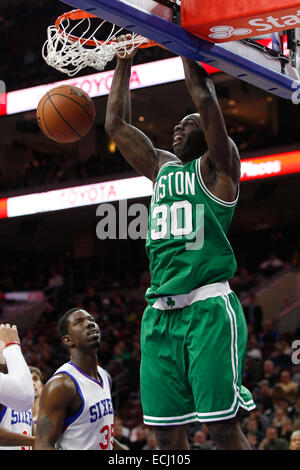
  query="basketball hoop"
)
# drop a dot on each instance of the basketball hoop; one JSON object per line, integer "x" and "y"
{"x": 94, "y": 45}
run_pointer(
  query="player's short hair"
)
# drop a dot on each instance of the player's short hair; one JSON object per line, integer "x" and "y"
{"x": 62, "y": 325}
{"x": 37, "y": 371}
{"x": 194, "y": 117}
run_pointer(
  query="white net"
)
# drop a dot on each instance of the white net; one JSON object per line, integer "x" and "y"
{"x": 69, "y": 54}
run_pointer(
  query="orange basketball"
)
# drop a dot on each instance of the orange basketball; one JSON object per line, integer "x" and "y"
{"x": 65, "y": 114}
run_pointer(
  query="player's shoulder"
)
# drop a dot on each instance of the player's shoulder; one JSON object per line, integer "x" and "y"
{"x": 62, "y": 377}
{"x": 60, "y": 386}
{"x": 59, "y": 393}
{"x": 233, "y": 148}
{"x": 165, "y": 158}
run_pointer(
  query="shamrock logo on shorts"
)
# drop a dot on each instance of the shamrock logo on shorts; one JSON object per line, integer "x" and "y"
{"x": 170, "y": 302}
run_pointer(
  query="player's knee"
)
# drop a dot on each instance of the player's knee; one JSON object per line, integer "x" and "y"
{"x": 170, "y": 437}
{"x": 164, "y": 436}
{"x": 221, "y": 432}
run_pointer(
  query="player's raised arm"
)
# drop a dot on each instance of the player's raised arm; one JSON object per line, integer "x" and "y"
{"x": 222, "y": 152}
{"x": 134, "y": 145}
{"x": 16, "y": 387}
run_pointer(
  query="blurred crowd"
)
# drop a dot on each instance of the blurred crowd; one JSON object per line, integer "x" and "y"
{"x": 270, "y": 252}
{"x": 272, "y": 370}
{"x": 45, "y": 168}
{"x": 270, "y": 373}
{"x": 115, "y": 297}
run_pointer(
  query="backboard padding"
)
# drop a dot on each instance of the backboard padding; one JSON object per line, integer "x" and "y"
{"x": 234, "y": 58}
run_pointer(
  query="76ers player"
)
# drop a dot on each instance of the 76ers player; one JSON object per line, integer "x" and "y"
{"x": 76, "y": 410}
{"x": 16, "y": 393}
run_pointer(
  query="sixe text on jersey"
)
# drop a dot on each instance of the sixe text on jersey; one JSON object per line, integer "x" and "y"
{"x": 100, "y": 409}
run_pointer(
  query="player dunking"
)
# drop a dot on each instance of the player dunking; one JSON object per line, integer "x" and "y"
{"x": 193, "y": 336}
{"x": 76, "y": 410}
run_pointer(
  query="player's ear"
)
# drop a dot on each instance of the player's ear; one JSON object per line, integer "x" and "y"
{"x": 66, "y": 339}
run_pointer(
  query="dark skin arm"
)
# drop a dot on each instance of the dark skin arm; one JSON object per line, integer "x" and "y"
{"x": 220, "y": 166}
{"x": 58, "y": 396}
{"x": 118, "y": 446}
{"x": 134, "y": 145}
{"x": 9, "y": 438}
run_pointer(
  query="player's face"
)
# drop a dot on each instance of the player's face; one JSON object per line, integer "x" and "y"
{"x": 83, "y": 329}
{"x": 37, "y": 384}
{"x": 271, "y": 435}
{"x": 188, "y": 137}
{"x": 295, "y": 442}
{"x": 252, "y": 440}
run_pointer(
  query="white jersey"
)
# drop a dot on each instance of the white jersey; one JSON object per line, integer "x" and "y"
{"x": 91, "y": 427}
{"x": 16, "y": 421}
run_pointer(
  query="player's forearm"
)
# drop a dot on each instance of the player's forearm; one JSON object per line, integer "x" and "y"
{"x": 49, "y": 426}
{"x": 198, "y": 82}
{"x": 9, "y": 438}
{"x": 16, "y": 387}
{"x": 43, "y": 444}
{"x": 118, "y": 446}
{"x": 119, "y": 104}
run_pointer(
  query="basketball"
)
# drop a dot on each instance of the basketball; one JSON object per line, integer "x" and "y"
{"x": 65, "y": 114}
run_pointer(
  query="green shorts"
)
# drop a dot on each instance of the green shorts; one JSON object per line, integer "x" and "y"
{"x": 192, "y": 362}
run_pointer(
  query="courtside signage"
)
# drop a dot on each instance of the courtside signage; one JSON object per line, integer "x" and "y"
{"x": 238, "y": 20}
{"x": 78, "y": 196}
{"x": 258, "y": 26}
{"x": 131, "y": 188}
{"x": 98, "y": 84}
{"x": 272, "y": 165}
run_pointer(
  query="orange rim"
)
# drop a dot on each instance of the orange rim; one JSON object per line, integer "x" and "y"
{"x": 78, "y": 14}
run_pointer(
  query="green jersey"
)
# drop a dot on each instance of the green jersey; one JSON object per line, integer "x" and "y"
{"x": 186, "y": 243}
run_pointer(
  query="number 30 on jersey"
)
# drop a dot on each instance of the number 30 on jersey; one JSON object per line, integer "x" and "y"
{"x": 177, "y": 221}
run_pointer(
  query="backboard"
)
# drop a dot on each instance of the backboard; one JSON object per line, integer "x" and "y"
{"x": 160, "y": 20}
